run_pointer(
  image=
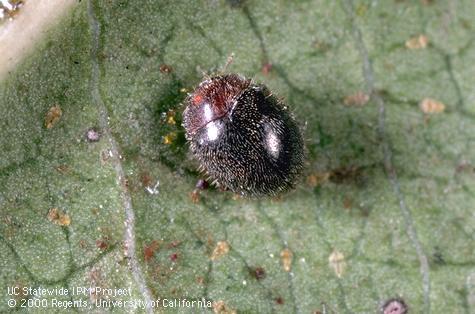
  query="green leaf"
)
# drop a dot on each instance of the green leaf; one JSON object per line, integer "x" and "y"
{"x": 384, "y": 208}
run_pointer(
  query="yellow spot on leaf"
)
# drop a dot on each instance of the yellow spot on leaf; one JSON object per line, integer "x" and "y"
{"x": 417, "y": 42}
{"x": 221, "y": 249}
{"x": 58, "y": 217}
{"x": 337, "y": 262}
{"x": 171, "y": 117}
{"x": 168, "y": 139}
{"x": 286, "y": 257}
{"x": 357, "y": 99}
{"x": 429, "y": 105}
{"x": 171, "y": 120}
{"x": 52, "y": 116}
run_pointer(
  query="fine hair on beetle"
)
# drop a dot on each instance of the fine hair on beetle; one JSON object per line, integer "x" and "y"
{"x": 245, "y": 139}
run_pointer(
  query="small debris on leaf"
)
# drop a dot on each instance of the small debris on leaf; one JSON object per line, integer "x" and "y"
{"x": 417, "y": 42}
{"x": 357, "y": 99}
{"x": 52, "y": 116}
{"x": 58, "y": 217}
{"x": 337, "y": 262}
{"x": 202, "y": 184}
{"x": 429, "y": 106}
{"x": 221, "y": 249}
{"x": 279, "y": 300}
{"x": 394, "y": 306}
{"x": 286, "y": 257}
{"x": 153, "y": 190}
{"x": 92, "y": 135}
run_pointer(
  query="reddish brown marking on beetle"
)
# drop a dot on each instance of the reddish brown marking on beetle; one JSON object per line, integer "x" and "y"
{"x": 197, "y": 99}
{"x": 219, "y": 93}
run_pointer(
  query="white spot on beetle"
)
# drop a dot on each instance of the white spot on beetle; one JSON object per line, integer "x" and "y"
{"x": 208, "y": 112}
{"x": 212, "y": 131}
{"x": 273, "y": 144}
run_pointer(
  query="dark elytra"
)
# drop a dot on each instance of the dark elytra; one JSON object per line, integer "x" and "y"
{"x": 242, "y": 136}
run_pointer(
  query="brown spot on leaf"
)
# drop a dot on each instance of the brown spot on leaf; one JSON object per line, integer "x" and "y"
{"x": 286, "y": 256}
{"x": 417, "y": 42}
{"x": 347, "y": 203}
{"x": 279, "y": 300}
{"x": 82, "y": 244}
{"x": 219, "y": 307}
{"x": 150, "y": 249}
{"x": 145, "y": 179}
{"x": 200, "y": 280}
{"x": 266, "y": 68}
{"x": 357, "y": 99}
{"x": 346, "y": 174}
{"x": 195, "y": 196}
{"x": 164, "y": 68}
{"x": 337, "y": 262}
{"x": 173, "y": 244}
{"x": 318, "y": 178}
{"x": 95, "y": 210}
{"x": 257, "y": 272}
{"x": 221, "y": 249}
{"x": 321, "y": 46}
{"x": 59, "y": 217}
{"x": 63, "y": 169}
{"x": 103, "y": 243}
{"x": 174, "y": 257}
{"x": 464, "y": 166}
{"x": 52, "y": 116}
{"x": 429, "y": 106}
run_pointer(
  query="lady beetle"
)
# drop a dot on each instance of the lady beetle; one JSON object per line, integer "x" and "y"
{"x": 244, "y": 138}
